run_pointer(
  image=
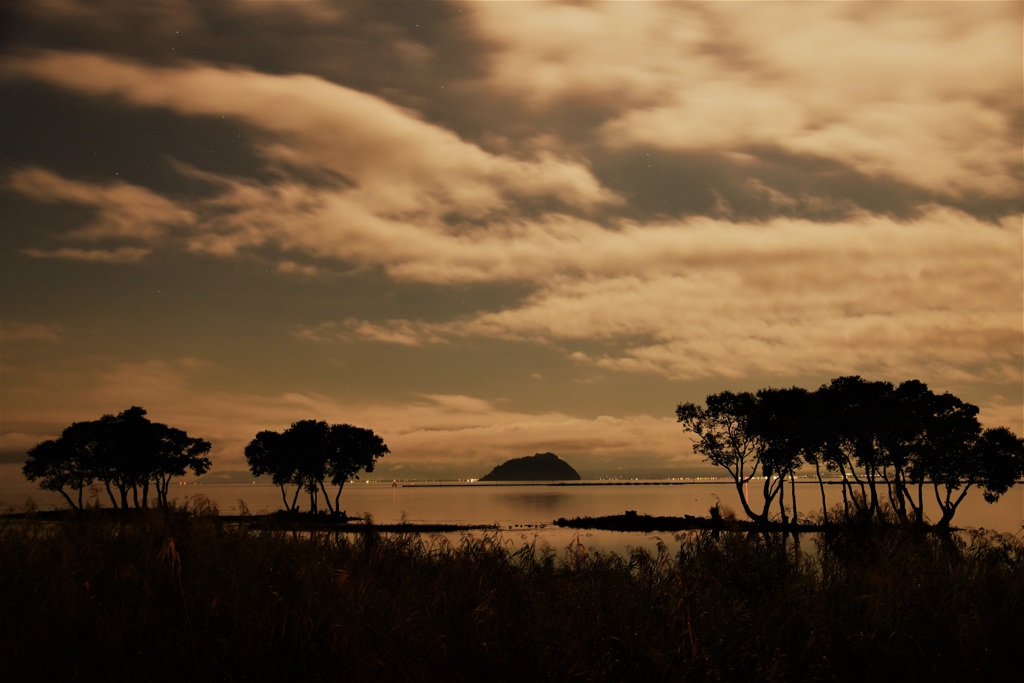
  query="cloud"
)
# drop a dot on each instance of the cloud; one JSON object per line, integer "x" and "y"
{"x": 402, "y": 332}
{"x": 951, "y": 148}
{"x": 396, "y": 187}
{"x": 451, "y": 434}
{"x": 462, "y": 435}
{"x": 923, "y": 94}
{"x": 399, "y": 164}
{"x": 14, "y": 331}
{"x": 122, "y": 211}
{"x": 172, "y": 13}
{"x": 939, "y": 295}
{"x": 118, "y": 255}
{"x": 594, "y": 51}
{"x": 293, "y": 268}
{"x": 460, "y": 404}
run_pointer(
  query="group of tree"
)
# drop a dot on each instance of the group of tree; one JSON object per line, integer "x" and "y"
{"x": 129, "y": 456}
{"x": 890, "y": 447}
{"x": 311, "y": 452}
{"x": 126, "y": 453}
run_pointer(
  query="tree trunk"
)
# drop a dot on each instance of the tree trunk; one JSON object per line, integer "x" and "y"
{"x": 873, "y": 506}
{"x": 327, "y": 498}
{"x": 894, "y": 492}
{"x": 920, "y": 501}
{"x": 337, "y": 497}
{"x": 821, "y": 488}
{"x": 916, "y": 508}
{"x": 743, "y": 501}
{"x": 859, "y": 503}
{"x": 846, "y": 498}
{"x": 311, "y": 489}
{"x": 113, "y": 501}
{"x": 69, "y": 500}
{"x": 902, "y": 494}
{"x": 769, "y": 496}
{"x": 792, "y": 494}
{"x": 782, "y": 500}
{"x": 950, "y": 505}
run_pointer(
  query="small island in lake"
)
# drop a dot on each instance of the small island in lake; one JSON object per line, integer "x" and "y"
{"x": 537, "y": 467}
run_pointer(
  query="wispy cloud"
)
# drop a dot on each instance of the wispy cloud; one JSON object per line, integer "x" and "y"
{"x": 123, "y": 211}
{"x": 939, "y": 295}
{"x": 927, "y": 96}
{"x": 402, "y": 332}
{"x": 14, "y": 331}
{"x": 398, "y": 163}
{"x": 115, "y": 255}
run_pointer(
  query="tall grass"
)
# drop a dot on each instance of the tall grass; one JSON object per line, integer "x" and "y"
{"x": 169, "y": 596}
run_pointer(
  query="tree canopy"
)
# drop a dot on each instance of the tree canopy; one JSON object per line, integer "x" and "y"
{"x": 126, "y": 452}
{"x": 310, "y": 453}
{"x": 887, "y": 445}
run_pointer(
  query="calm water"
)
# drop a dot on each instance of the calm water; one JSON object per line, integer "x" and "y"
{"x": 525, "y": 512}
{"x": 540, "y": 504}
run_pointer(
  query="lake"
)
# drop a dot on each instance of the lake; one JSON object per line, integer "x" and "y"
{"x": 525, "y": 512}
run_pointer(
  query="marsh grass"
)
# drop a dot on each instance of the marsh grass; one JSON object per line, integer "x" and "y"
{"x": 181, "y": 595}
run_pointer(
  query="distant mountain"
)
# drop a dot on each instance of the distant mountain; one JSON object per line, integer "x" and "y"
{"x": 538, "y": 467}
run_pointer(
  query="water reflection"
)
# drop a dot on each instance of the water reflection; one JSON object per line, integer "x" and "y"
{"x": 539, "y": 501}
{"x": 525, "y": 513}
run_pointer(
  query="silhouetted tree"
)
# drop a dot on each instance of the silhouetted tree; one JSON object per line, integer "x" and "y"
{"x": 266, "y": 455}
{"x": 817, "y": 451}
{"x": 126, "y": 452}
{"x": 853, "y": 408}
{"x": 904, "y": 438}
{"x": 725, "y": 438}
{"x": 123, "y": 444}
{"x": 885, "y": 443}
{"x": 779, "y": 421}
{"x": 173, "y": 453}
{"x": 992, "y": 461}
{"x": 311, "y": 452}
{"x": 59, "y": 464}
{"x": 354, "y": 449}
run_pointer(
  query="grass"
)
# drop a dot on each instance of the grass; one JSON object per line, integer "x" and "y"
{"x": 167, "y": 596}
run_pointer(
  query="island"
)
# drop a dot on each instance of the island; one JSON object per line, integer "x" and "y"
{"x": 537, "y": 467}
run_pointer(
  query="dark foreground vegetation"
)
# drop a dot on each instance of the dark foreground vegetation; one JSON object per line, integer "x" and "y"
{"x": 169, "y": 595}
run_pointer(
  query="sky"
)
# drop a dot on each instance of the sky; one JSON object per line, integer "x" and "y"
{"x": 489, "y": 229}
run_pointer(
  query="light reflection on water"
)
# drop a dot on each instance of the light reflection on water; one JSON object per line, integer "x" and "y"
{"x": 524, "y": 513}
{"x": 537, "y": 504}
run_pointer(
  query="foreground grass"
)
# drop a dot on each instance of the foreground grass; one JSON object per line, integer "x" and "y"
{"x": 170, "y": 596}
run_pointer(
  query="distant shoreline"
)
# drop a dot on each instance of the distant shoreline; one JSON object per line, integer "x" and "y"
{"x": 543, "y": 482}
{"x": 638, "y": 482}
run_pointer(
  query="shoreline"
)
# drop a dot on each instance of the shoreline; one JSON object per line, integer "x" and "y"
{"x": 629, "y": 521}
